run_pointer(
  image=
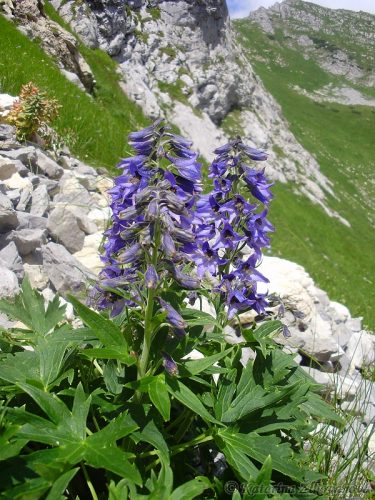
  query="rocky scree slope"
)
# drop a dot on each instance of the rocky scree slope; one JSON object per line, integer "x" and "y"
{"x": 179, "y": 59}
{"x": 53, "y": 211}
{"x": 341, "y": 42}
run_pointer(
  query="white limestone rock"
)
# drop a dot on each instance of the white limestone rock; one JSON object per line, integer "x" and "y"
{"x": 9, "y": 283}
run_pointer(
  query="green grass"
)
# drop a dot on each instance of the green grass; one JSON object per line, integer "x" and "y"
{"x": 99, "y": 124}
{"x": 340, "y": 259}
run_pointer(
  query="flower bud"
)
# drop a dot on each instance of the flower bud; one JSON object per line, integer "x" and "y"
{"x": 169, "y": 364}
{"x": 151, "y": 277}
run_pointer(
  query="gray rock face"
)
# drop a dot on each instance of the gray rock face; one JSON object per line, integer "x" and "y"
{"x": 39, "y": 201}
{"x": 48, "y": 166}
{"x": 63, "y": 270}
{"x": 7, "y": 168}
{"x": 8, "y": 216}
{"x": 10, "y": 257}
{"x": 29, "y": 221}
{"x": 26, "y": 155}
{"x": 64, "y": 228}
{"x": 27, "y": 240}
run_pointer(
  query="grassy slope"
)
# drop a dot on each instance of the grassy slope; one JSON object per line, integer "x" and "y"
{"x": 340, "y": 259}
{"x": 99, "y": 125}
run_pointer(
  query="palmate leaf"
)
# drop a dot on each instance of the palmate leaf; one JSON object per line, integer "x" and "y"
{"x": 28, "y": 307}
{"x": 227, "y": 389}
{"x": 259, "y": 447}
{"x": 66, "y": 431}
{"x": 256, "y": 399}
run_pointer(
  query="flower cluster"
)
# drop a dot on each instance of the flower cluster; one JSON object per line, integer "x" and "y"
{"x": 226, "y": 223}
{"x": 151, "y": 238}
{"x": 164, "y": 229}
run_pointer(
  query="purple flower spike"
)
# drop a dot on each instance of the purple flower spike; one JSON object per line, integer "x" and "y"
{"x": 169, "y": 364}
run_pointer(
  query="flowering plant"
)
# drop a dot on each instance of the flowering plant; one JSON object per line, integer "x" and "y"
{"x": 154, "y": 397}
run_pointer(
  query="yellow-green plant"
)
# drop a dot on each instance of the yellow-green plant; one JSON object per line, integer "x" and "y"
{"x": 32, "y": 111}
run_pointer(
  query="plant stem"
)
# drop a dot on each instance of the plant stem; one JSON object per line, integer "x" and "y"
{"x": 203, "y": 438}
{"x": 89, "y": 483}
{"x": 147, "y": 335}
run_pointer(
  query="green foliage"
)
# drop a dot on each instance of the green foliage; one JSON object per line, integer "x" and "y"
{"x": 69, "y": 426}
{"x": 95, "y": 127}
{"x": 341, "y": 139}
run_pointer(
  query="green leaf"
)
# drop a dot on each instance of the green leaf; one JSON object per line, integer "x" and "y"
{"x": 49, "y": 403}
{"x": 151, "y": 434}
{"x": 265, "y": 473}
{"x": 159, "y": 396}
{"x": 28, "y": 307}
{"x": 194, "y": 317}
{"x": 61, "y": 484}
{"x": 142, "y": 384}
{"x": 51, "y": 356}
{"x": 29, "y": 490}
{"x": 80, "y": 410}
{"x": 191, "y": 489}
{"x": 189, "y": 399}
{"x": 254, "y": 400}
{"x": 121, "y": 426}
{"x": 199, "y": 365}
{"x": 110, "y": 353}
{"x": 113, "y": 459}
{"x": 109, "y": 334}
{"x": 111, "y": 375}
{"x": 267, "y": 328}
{"x": 227, "y": 388}
{"x": 20, "y": 367}
{"x": 237, "y": 458}
{"x": 259, "y": 447}
{"x": 315, "y": 406}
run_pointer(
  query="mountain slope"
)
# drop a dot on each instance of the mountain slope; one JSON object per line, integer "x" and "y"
{"x": 95, "y": 127}
{"x": 339, "y": 136}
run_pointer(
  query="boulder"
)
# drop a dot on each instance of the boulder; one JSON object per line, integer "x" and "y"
{"x": 361, "y": 350}
{"x": 64, "y": 271}
{"x": 9, "y": 283}
{"x": 30, "y": 221}
{"x": 100, "y": 217}
{"x": 7, "y": 168}
{"x": 18, "y": 182}
{"x": 47, "y": 166}
{"x": 8, "y": 216}
{"x": 64, "y": 227}
{"x": 26, "y": 155}
{"x": 40, "y": 201}
{"x": 7, "y": 132}
{"x": 86, "y": 175}
{"x": 11, "y": 259}
{"x": 89, "y": 255}
{"x": 73, "y": 195}
{"x": 37, "y": 276}
{"x": 24, "y": 199}
{"x": 27, "y": 240}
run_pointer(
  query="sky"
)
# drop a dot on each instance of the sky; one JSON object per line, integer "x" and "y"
{"x": 241, "y": 8}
